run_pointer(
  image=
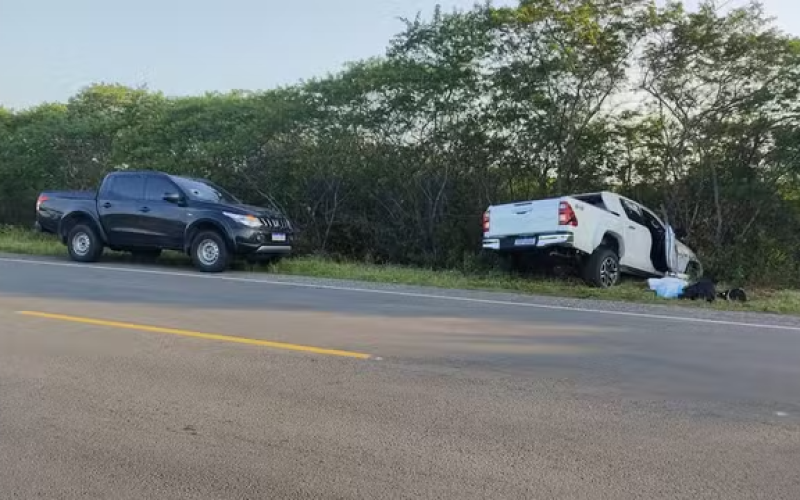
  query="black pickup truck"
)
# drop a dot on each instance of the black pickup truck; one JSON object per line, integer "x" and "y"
{"x": 147, "y": 212}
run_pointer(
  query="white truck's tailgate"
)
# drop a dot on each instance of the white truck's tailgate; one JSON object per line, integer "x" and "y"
{"x": 528, "y": 217}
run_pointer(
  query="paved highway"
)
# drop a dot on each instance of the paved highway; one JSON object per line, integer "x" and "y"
{"x": 151, "y": 382}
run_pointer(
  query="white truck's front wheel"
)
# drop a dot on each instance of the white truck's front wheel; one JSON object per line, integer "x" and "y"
{"x": 602, "y": 268}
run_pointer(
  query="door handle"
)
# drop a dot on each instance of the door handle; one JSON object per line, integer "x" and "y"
{"x": 106, "y": 205}
{"x": 144, "y": 209}
{"x": 632, "y": 227}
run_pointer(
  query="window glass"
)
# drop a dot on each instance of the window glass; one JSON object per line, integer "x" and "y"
{"x": 205, "y": 191}
{"x": 592, "y": 199}
{"x": 157, "y": 187}
{"x": 126, "y": 187}
{"x": 652, "y": 221}
{"x": 633, "y": 211}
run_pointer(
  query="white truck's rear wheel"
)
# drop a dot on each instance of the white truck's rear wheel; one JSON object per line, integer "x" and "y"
{"x": 602, "y": 268}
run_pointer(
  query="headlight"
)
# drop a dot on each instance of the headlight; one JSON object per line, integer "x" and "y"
{"x": 245, "y": 220}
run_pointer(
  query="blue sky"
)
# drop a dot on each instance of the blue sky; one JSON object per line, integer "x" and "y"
{"x": 50, "y": 49}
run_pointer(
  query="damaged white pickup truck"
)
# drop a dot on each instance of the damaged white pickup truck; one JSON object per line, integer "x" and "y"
{"x": 604, "y": 233}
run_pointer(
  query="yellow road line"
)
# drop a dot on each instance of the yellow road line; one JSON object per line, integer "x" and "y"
{"x": 198, "y": 335}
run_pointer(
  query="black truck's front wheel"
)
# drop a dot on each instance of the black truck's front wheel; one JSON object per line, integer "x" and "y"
{"x": 83, "y": 244}
{"x": 209, "y": 252}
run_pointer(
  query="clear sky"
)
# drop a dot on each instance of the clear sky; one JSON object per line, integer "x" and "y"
{"x": 50, "y": 49}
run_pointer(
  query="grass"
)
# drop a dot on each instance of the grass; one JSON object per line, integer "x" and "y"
{"x": 19, "y": 241}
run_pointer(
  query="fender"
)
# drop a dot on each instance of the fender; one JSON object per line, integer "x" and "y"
{"x": 601, "y": 233}
{"x": 222, "y": 228}
{"x": 81, "y": 214}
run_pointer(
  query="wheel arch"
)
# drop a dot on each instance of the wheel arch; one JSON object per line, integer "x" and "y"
{"x": 206, "y": 225}
{"x": 612, "y": 240}
{"x": 72, "y": 219}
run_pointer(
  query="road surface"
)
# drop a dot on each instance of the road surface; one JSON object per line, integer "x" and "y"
{"x": 131, "y": 382}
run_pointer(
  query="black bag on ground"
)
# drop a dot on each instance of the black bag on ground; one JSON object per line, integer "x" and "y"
{"x": 704, "y": 289}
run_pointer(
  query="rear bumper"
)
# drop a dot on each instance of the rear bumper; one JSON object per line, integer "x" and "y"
{"x": 524, "y": 242}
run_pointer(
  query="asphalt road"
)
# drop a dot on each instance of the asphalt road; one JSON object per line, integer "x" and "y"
{"x": 139, "y": 382}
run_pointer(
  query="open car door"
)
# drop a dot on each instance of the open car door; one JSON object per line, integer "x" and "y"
{"x": 671, "y": 249}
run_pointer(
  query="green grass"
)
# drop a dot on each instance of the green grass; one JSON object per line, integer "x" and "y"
{"x": 14, "y": 240}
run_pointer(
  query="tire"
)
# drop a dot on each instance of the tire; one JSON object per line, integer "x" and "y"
{"x": 602, "y": 268}
{"x": 83, "y": 244}
{"x": 210, "y": 252}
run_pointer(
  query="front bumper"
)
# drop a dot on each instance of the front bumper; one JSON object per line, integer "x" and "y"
{"x": 528, "y": 241}
{"x": 273, "y": 250}
{"x": 262, "y": 241}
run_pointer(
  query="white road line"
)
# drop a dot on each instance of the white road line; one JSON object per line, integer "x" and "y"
{"x": 398, "y": 293}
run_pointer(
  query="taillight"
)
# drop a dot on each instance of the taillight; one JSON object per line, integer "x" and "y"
{"x": 39, "y": 201}
{"x": 566, "y": 216}
{"x": 486, "y": 221}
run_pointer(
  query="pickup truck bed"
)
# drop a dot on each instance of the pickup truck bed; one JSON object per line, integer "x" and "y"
{"x": 53, "y": 200}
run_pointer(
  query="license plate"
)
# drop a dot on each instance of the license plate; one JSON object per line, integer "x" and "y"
{"x": 524, "y": 242}
{"x": 278, "y": 237}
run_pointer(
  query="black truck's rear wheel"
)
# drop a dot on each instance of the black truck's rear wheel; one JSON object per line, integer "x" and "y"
{"x": 84, "y": 244}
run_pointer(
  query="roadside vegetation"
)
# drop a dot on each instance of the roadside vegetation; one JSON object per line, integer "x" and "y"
{"x": 24, "y": 241}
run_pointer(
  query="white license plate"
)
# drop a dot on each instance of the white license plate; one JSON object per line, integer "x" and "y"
{"x": 278, "y": 237}
{"x": 524, "y": 242}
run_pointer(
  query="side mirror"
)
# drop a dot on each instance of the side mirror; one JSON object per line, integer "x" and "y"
{"x": 175, "y": 198}
{"x": 680, "y": 233}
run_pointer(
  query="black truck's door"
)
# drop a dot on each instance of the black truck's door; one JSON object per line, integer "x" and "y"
{"x": 164, "y": 221}
{"x": 118, "y": 203}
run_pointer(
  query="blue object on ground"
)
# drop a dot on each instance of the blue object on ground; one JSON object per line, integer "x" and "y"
{"x": 667, "y": 288}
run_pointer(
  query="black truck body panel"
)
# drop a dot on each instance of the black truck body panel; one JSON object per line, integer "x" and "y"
{"x": 129, "y": 219}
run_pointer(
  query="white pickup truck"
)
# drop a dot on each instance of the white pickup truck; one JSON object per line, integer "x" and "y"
{"x": 605, "y": 233}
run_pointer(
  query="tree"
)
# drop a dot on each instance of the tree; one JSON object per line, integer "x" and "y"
{"x": 720, "y": 87}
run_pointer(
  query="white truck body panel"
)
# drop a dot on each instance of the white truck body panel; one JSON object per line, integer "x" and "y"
{"x": 535, "y": 224}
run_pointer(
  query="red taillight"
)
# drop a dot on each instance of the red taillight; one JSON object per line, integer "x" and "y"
{"x": 566, "y": 216}
{"x": 39, "y": 202}
{"x": 486, "y": 222}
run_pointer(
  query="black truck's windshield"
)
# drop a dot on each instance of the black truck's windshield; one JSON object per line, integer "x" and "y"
{"x": 205, "y": 191}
